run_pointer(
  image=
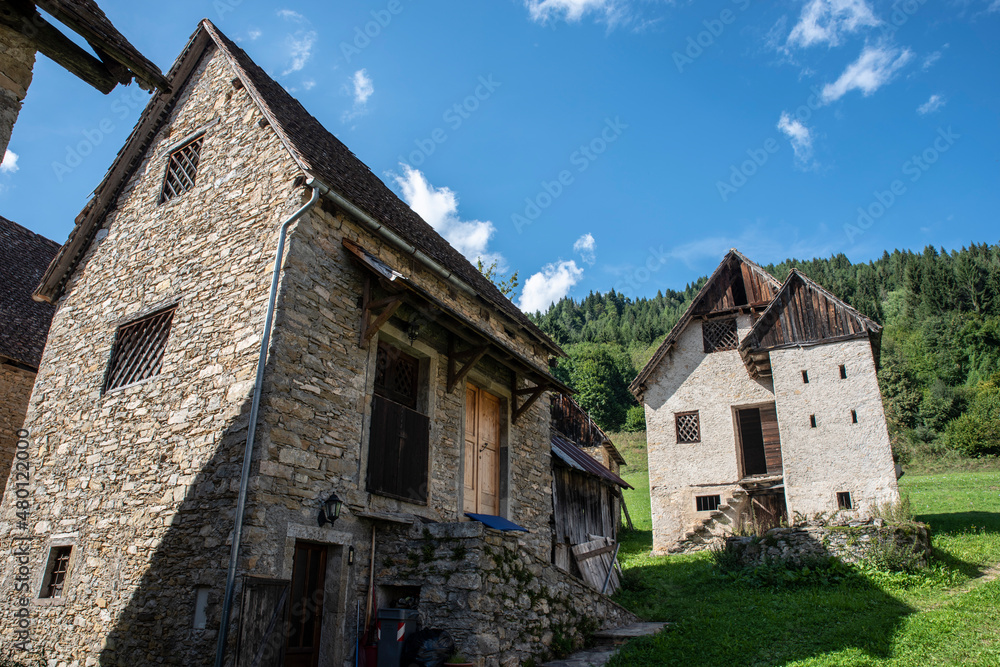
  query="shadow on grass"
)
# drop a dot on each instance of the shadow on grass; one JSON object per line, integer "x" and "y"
{"x": 958, "y": 522}
{"x": 719, "y": 621}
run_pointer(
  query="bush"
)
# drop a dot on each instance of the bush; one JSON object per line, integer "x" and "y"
{"x": 977, "y": 431}
{"x": 897, "y": 512}
{"x": 635, "y": 419}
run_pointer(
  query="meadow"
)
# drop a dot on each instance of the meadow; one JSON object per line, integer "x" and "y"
{"x": 946, "y": 614}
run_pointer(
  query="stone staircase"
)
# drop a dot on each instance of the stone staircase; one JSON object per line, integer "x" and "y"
{"x": 715, "y": 528}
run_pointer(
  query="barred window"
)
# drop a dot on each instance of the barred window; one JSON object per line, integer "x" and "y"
{"x": 720, "y": 335}
{"x": 138, "y": 350}
{"x": 688, "y": 427}
{"x": 707, "y": 503}
{"x": 55, "y": 572}
{"x": 182, "y": 167}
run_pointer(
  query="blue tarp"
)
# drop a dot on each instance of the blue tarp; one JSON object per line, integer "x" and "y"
{"x": 495, "y": 522}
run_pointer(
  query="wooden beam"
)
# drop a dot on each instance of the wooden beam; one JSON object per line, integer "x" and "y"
{"x": 369, "y": 326}
{"x": 470, "y": 357}
{"x": 535, "y": 393}
{"x": 57, "y": 46}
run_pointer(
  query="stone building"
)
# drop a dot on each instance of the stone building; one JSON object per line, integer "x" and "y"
{"x": 24, "y": 323}
{"x": 23, "y": 32}
{"x": 763, "y": 405}
{"x": 251, "y": 328}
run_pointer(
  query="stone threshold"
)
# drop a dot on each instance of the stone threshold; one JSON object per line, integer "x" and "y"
{"x": 609, "y": 642}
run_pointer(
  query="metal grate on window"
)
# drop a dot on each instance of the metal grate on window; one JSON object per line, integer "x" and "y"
{"x": 720, "y": 335}
{"x": 56, "y": 575}
{"x": 688, "y": 427}
{"x": 182, "y": 167}
{"x": 138, "y": 350}
{"x": 707, "y": 503}
{"x": 396, "y": 375}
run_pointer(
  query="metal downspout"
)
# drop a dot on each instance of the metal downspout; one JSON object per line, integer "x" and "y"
{"x": 220, "y": 652}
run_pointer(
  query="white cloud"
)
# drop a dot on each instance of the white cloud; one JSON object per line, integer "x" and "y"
{"x": 439, "y": 207}
{"x": 363, "y": 87}
{"x": 254, "y": 34}
{"x": 994, "y": 6}
{"x": 826, "y": 21}
{"x": 549, "y": 285}
{"x": 543, "y": 11}
{"x": 932, "y": 58}
{"x": 308, "y": 84}
{"x": 800, "y": 137}
{"x": 290, "y": 15}
{"x": 299, "y": 48}
{"x": 9, "y": 164}
{"x": 586, "y": 246}
{"x": 933, "y": 104}
{"x": 874, "y": 68}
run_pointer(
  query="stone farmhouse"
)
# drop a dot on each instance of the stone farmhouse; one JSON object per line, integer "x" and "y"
{"x": 24, "y": 324}
{"x": 24, "y": 31}
{"x": 762, "y": 405}
{"x": 270, "y": 397}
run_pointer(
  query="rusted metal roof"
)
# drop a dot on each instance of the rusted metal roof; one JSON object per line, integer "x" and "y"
{"x": 580, "y": 460}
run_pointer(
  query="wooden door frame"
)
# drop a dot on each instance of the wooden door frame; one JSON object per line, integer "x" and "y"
{"x": 739, "y": 433}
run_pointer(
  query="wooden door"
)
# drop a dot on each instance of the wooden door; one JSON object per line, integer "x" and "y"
{"x": 306, "y": 609}
{"x": 482, "y": 451}
{"x": 263, "y": 614}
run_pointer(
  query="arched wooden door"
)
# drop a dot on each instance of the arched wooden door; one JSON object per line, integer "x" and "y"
{"x": 482, "y": 451}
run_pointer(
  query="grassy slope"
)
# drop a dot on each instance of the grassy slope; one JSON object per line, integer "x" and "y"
{"x": 946, "y": 616}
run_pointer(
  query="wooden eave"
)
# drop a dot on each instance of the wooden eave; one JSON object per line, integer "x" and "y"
{"x": 805, "y": 329}
{"x": 483, "y": 341}
{"x": 638, "y": 386}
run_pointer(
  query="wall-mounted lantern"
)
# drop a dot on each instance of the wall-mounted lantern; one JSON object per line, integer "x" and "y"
{"x": 330, "y": 510}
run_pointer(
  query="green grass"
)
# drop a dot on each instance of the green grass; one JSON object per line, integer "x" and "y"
{"x": 946, "y": 615}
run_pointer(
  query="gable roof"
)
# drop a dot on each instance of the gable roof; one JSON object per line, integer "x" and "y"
{"x": 86, "y": 19}
{"x": 803, "y": 313}
{"x": 317, "y": 152}
{"x": 716, "y": 295}
{"x": 24, "y": 323}
{"x": 569, "y": 453}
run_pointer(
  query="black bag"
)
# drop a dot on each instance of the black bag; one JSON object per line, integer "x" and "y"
{"x": 427, "y": 648}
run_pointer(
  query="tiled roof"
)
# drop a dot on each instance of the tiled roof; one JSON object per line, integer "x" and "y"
{"x": 24, "y": 323}
{"x": 86, "y": 19}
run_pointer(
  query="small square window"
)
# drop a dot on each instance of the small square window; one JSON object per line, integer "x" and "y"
{"x": 805, "y": 377}
{"x": 844, "y": 501}
{"x": 720, "y": 335}
{"x": 182, "y": 168}
{"x": 55, "y": 572}
{"x": 707, "y": 503}
{"x": 812, "y": 421}
{"x": 688, "y": 427}
{"x": 854, "y": 416}
{"x": 138, "y": 350}
{"x": 843, "y": 372}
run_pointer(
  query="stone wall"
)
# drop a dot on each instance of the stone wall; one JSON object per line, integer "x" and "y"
{"x": 689, "y": 379}
{"x": 142, "y": 481}
{"x": 850, "y": 542}
{"x": 17, "y": 58}
{"x": 15, "y": 390}
{"x": 837, "y": 455}
{"x": 502, "y": 605}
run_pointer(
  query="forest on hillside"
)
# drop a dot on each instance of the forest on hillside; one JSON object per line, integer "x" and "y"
{"x": 940, "y": 361}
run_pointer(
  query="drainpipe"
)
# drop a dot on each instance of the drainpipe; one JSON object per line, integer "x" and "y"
{"x": 220, "y": 652}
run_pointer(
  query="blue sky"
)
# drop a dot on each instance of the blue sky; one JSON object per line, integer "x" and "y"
{"x": 598, "y": 144}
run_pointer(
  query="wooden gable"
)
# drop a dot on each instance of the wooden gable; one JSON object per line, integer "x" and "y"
{"x": 803, "y": 313}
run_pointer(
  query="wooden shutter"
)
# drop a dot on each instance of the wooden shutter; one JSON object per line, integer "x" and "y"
{"x": 398, "y": 451}
{"x": 263, "y": 615}
{"x": 772, "y": 441}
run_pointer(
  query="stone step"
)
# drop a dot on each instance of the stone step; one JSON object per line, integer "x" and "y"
{"x": 608, "y": 643}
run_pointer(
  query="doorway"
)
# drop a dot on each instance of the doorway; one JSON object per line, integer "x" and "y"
{"x": 482, "y": 452}
{"x": 751, "y": 442}
{"x": 305, "y": 618}
{"x": 767, "y": 511}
